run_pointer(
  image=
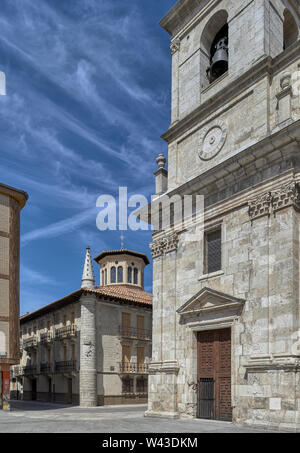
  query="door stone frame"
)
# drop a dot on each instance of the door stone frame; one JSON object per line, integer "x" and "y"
{"x": 212, "y": 310}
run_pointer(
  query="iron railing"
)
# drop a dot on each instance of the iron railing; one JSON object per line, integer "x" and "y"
{"x": 65, "y": 332}
{"x": 65, "y": 367}
{"x": 29, "y": 370}
{"x": 132, "y": 332}
{"x": 134, "y": 368}
{"x": 45, "y": 337}
{"x": 30, "y": 342}
{"x": 45, "y": 368}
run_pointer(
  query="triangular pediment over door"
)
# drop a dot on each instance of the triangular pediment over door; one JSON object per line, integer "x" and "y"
{"x": 210, "y": 309}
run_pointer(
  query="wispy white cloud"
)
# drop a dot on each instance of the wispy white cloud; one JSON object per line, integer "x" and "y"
{"x": 58, "y": 228}
{"x": 83, "y": 113}
{"x": 35, "y": 278}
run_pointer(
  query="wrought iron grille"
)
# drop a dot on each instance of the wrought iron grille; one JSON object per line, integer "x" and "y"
{"x": 127, "y": 385}
{"x": 206, "y": 398}
{"x": 45, "y": 368}
{"x": 65, "y": 332}
{"x": 29, "y": 370}
{"x": 213, "y": 252}
{"x": 45, "y": 337}
{"x": 142, "y": 385}
{"x": 131, "y": 332}
{"x": 30, "y": 342}
{"x": 65, "y": 367}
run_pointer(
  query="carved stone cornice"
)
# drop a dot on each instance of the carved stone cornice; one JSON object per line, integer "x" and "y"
{"x": 164, "y": 245}
{"x": 175, "y": 46}
{"x": 275, "y": 200}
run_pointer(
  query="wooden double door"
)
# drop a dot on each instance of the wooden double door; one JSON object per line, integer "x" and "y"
{"x": 214, "y": 375}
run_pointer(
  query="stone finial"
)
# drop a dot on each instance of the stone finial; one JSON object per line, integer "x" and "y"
{"x": 161, "y": 175}
{"x": 88, "y": 278}
{"x": 161, "y": 161}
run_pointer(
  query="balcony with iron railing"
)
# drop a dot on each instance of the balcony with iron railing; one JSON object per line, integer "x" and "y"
{"x": 45, "y": 368}
{"x": 29, "y": 343}
{"x": 45, "y": 338}
{"x": 29, "y": 370}
{"x": 134, "y": 368}
{"x": 65, "y": 367}
{"x": 135, "y": 334}
{"x": 65, "y": 332}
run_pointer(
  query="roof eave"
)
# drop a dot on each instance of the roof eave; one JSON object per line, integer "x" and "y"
{"x": 179, "y": 15}
{"x": 17, "y": 194}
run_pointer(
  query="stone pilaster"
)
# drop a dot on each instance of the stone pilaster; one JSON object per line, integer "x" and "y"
{"x": 88, "y": 355}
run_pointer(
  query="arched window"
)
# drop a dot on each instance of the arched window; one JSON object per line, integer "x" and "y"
{"x": 136, "y": 274}
{"x": 102, "y": 278}
{"x": 113, "y": 275}
{"x": 290, "y": 30}
{"x": 106, "y": 276}
{"x": 120, "y": 274}
{"x": 130, "y": 275}
{"x": 214, "y": 48}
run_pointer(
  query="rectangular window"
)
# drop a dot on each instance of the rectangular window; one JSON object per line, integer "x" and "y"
{"x": 140, "y": 322}
{"x": 126, "y": 321}
{"x": 213, "y": 252}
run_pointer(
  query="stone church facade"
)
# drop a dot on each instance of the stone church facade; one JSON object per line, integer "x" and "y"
{"x": 226, "y": 307}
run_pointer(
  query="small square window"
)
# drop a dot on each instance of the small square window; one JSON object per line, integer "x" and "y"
{"x": 213, "y": 251}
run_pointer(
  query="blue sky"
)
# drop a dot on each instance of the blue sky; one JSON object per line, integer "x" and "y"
{"x": 88, "y": 96}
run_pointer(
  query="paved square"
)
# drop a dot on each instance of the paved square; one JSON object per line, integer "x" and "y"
{"x": 33, "y": 417}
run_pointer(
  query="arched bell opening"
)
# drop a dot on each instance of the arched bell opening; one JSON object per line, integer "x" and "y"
{"x": 219, "y": 55}
{"x": 290, "y": 30}
{"x": 214, "y": 48}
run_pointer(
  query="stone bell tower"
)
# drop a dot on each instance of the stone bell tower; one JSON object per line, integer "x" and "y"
{"x": 226, "y": 306}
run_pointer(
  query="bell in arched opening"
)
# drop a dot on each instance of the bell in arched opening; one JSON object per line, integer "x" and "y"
{"x": 219, "y": 55}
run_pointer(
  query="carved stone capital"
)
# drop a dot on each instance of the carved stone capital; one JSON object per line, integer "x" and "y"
{"x": 175, "y": 46}
{"x": 260, "y": 206}
{"x": 284, "y": 196}
{"x": 164, "y": 245}
{"x": 271, "y": 202}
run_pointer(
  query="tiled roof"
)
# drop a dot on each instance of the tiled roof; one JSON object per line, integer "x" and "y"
{"x": 117, "y": 292}
{"x": 123, "y": 292}
{"x": 122, "y": 252}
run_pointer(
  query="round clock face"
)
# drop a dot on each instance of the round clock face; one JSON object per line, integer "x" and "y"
{"x": 212, "y": 140}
